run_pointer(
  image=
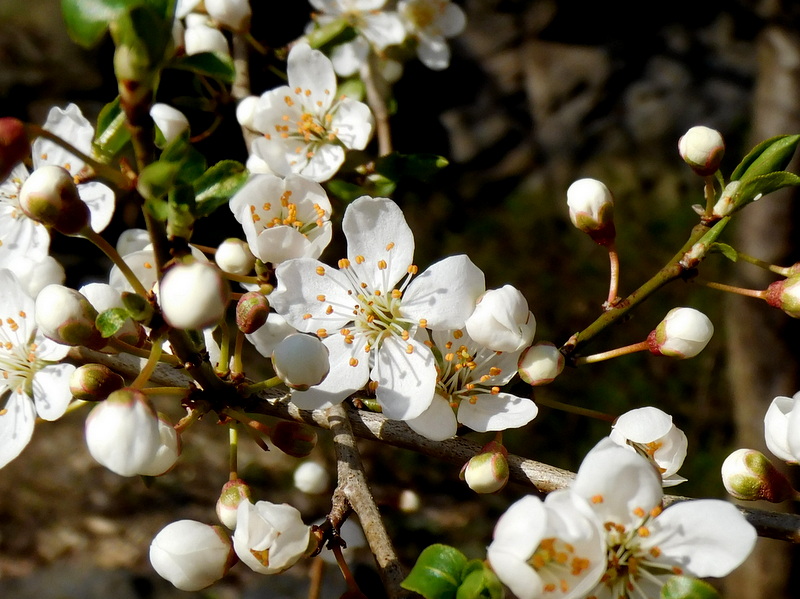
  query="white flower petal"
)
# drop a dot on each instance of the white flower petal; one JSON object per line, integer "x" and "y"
{"x": 437, "y": 423}
{"x": 434, "y": 52}
{"x": 323, "y": 163}
{"x": 496, "y": 412}
{"x": 347, "y": 58}
{"x": 643, "y": 425}
{"x": 51, "y": 392}
{"x": 16, "y": 426}
{"x": 353, "y": 123}
{"x": 406, "y": 377}
{"x": 384, "y": 29}
{"x": 100, "y": 200}
{"x": 68, "y": 124}
{"x": 311, "y": 71}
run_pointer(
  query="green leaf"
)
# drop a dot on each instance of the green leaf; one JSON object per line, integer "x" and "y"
{"x": 684, "y": 587}
{"x": 726, "y": 250}
{"x": 138, "y": 307}
{"x": 344, "y": 190}
{"x": 181, "y": 152}
{"x": 112, "y": 135}
{"x": 88, "y": 20}
{"x": 207, "y": 64}
{"x": 333, "y": 33}
{"x": 437, "y": 573}
{"x": 111, "y": 321}
{"x": 218, "y": 184}
{"x": 157, "y": 178}
{"x": 422, "y": 167}
{"x": 754, "y": 188}
{"x": 770, "y": 155}
{"x": 479, "y": 582}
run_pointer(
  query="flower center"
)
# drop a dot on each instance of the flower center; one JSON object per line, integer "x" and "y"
{"x": 464, "y": 373}
{"x": 557, "y": 563}
{"x": 18, "y": 360}
{"x": 424, "y": 14}
{"x": 287, "y": 214}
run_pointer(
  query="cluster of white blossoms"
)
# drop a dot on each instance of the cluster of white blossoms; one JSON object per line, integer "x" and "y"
{"x": 607, "y": 536}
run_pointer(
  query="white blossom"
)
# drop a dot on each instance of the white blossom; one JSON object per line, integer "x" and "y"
{"x": 782, "y": 428}
{"x": 269, "y": 537}
{"x": 431, "y": 22}
{"x": 501, "y": 320}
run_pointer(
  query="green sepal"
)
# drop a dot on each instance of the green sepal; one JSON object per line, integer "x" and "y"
{"x": 88, "y": 20}
{"x": 142, "y": 35}
{"x": 757, "y": 187}
{"x": 180, "y": 212}
{"x": 685, "y": 587}
{"x": 111, "y": 321}
{"x": 206, "y": 64}
{"x": 138, "y": 307}
{"x": 112, "y": 134}
{"x": 180, "y": 151}
{"x": 770, "y": 155}
{"x": 726, "y": 250}
{"x": 479, "y": 582}
{"x": 437, "y": 573}
{"x": 157, "y": 178}
{"x": 218, "y": 184}
{"x": 422, "y": 167}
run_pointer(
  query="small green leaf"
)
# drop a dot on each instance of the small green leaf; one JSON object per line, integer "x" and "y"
{"x": 218, "y": 184}
{"x": 157, "y": 178}
{"x": 437, "y": 573}
{"x": 479, "y": 582}
{"x": 770, "y": 155}
{"x": 112, "y": 133}
{"x": 88, "y": 20}
{"x": 181, "y": 152}
{"x": 726, "y": 250}
{"x": 422, "y": 167}
{"x": 333, "y": 33}
{"x": 754, "y": 188}
{"x": 344, "y": 190}
{"x": 207, "y": 64}
{"x": 111, "y": 321}
{"x": 684, "y": 587}
{"x": 181, "y": 206}
{"x": 138, "y": 307}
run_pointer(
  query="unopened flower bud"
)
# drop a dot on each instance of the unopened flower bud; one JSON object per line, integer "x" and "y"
{"x": 749, "y": 475}
{"x": 234, "y": 256}
{"x": 245, "y": 111}
{"x": 193, "y": 296}
{"x": 67, "y": 317}
{"x": 311, "y": 478}
{"x": 409, "y": 501}
{"x": 233, "y": 14}
{"x": 168, "y": 451}
{"x": 702, "y": 149}
{"x": 683, "y": 333}
{"x": 14, "y": 145}
{"x": 501, "y": 320}
{"x": 233, "y": 493}
{"x": 170, "y": 121}
{"x": 293, "y": 438}
{"x": 540, "y": 364}
{"x": 301, "y": 361}
{"x": 782, "y": 428}
{"x": 94, "y": 382}
{"x": 252, "y": 311}
{"x": 725, "y": 203}
{"x": 200, "y": 37}
{"x": 591, "y": 209}
{"x": 50, "y": 196}
{"x": 122, "y": 432}
{"x": 785, "y": 294}
{"x": 192, "y": 555}
{"x": 487, "y": 472}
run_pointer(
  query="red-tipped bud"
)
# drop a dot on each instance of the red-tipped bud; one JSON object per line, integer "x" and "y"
{"x": 233, "y": 493}
{"x": 94, "y": 382}
{"x": 50, "y": 197}
{"x": 293, "y": 438}
{"x": 252, "y": 311}
{"x": 785, "y": 294}
{"x": 683, "y": 333}
{"x": 14, "y": 145}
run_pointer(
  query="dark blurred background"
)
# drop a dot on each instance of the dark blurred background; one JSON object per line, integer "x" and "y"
{"x": 538, "y": 94}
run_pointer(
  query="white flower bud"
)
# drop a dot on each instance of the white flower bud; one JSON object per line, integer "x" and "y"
{"x": 591, "y": 209}
{"x": 702, "y": 149}
{"x": 540, "y": 364}
{"x": 193, "y": 296}
{"x": 301, "y": 361}
{"x": 233, "y": 493}
{"x": 200, "y": 37}
{"x": 234, "y": 256}
{"x": 749, "y": 475}
{"x": 724, "y": 205}
{"x": 651, "y": 432}
{"x": 311, "y": 478}
{"x": 233, "y": 14}
{"x": 409, "y": 501}
{"x": 487, "y": 472}
{"x": 270, "y": 538}
{"x": 785, "y": 294}
{"x": 782, "y": 428}
{"x": 683, "y": 333}
{"x": 501, "y": 320}
{"x": 171, "y": 121}
{"x": 245, "y": 111}
{"x": 168, "y": 451}
{"x": 49, "y": 196}
{"x": 122, "y": 432}
{"x": 191, "y": 555}
{"x": 67, "y": 317}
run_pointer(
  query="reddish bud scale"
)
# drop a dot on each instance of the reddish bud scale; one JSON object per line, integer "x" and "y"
{"x": 251, "y": 312}
{"x": 14, "y": 145}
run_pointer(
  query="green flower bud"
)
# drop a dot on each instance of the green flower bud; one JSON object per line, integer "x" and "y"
{"x": 233, "y": 493}
{"x": 749, "y": 475}
{"x": 252, "y": 311}
{"x": 785, "y": 294}
{"x": 94, "y": 382}
{"x": 487, "y": 472}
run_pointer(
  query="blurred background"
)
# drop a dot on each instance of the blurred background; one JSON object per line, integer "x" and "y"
{"x": 539, "y": 93}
